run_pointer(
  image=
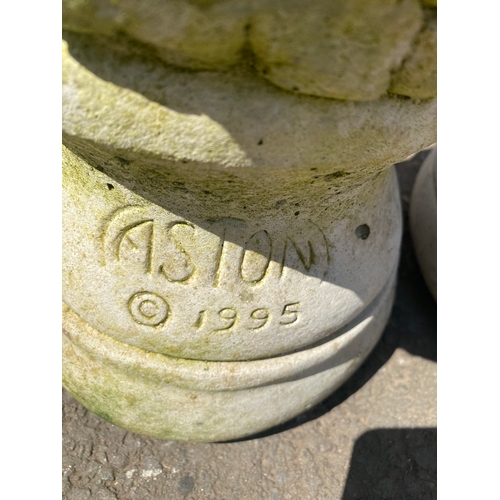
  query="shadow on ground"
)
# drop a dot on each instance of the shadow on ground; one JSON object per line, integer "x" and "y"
{"x": 393, "y": 463}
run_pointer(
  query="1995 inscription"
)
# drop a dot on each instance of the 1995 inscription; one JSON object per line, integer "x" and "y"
{"x": 149, "y": 309}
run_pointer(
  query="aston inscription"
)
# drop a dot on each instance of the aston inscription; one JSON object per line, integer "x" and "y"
{"x": 214, "y": 253}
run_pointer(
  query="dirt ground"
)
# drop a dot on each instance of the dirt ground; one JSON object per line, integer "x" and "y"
{"x": 374, "y": 438}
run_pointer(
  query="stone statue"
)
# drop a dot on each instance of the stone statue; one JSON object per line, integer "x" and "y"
{"x": 231, "y": 221}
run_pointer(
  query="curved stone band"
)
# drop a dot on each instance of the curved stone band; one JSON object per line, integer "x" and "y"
{"x": 174, "y": 398}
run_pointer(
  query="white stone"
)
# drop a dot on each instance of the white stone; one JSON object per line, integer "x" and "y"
{"x": 423, "y": 220}
{"x": 347, "y": 49}
{"x": 173, "y": 398}
{"x": 266, "y": 279}
{"x": 171, "y": 293}
{"x": 230, "y": 248}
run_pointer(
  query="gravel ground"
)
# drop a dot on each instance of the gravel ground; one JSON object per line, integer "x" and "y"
{"x": 375, "y": 438}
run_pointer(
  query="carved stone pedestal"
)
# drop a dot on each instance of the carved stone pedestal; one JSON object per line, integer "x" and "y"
{"x": 230, "y": 247}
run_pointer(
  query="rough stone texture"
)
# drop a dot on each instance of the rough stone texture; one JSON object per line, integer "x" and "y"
{"x": 347, "y": 49}
{"x": 120, "y": 99}
{"x": 375, "y": 438}
{"x": 417, "y": 76}
{"x": 423, "y": 220}
{"x": 341, "y": 50}
{"x": 172, "y": 398}
{"x": 319, "y": 314}
{"x": 285, "y": 274}
{"x": 213, "y": 221}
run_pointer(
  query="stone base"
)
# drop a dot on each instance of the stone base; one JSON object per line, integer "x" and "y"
{"x": 180, "y": 399}
{"x": 423, "y": 221}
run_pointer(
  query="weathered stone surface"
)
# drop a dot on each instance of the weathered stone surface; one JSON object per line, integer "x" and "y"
{"x": 417, "y": 76}
{"x": 423, "y": 220}
{"x": 375, "y": 437}
{"x": 344, "y": 50}
{"x": 196, "y": 35}
{"x": 126, "y": 102}
{"x": 341, "y": 50}
{"x": 227, "y": 244}
{"x": 182, "y": 399}
{"x": 168, "y": 273}
{"x": 200, "y": 276}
